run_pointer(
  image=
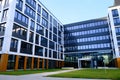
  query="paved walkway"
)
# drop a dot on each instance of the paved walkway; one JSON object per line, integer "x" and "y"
{"x": 40, "y": 76}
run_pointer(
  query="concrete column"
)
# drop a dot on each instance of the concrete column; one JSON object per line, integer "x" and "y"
{"x": 43, "y": 64}
{"x": 3, "y": 62}
{"x": 47, "y": 61}
{"x": 57, "y": 64}
{"x": 117, "y": 61}
{"x": 32, "y": 63}
{"x": 16, "y": 63}
{"x": 38, "y": 63}
{"x": 25, "y": 62}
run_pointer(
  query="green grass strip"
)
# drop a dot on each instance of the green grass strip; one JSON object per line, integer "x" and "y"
{"x": 113, "y": 74}
{"x": 22, "y": 72}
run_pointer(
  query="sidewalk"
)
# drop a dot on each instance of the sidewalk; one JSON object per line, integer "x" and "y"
{"x": 40, "y": 76}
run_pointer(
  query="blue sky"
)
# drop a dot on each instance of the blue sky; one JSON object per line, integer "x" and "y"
{"x": 69, "y": 11}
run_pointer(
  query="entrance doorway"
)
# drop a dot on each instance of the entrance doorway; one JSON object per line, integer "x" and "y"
{"x": 84, "y": 63}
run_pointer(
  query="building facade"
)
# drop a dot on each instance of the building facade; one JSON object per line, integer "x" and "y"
{"x": 114, "y": 23}
{"x": 31, "y": 37}
{"x": 88, "y": 41}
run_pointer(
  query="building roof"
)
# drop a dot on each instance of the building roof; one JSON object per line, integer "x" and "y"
{"x": 116, "y": 2}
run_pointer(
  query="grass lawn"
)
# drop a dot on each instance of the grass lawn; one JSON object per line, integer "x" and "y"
{"x": 113, "y": 74}
{"x": 22, "y": 72}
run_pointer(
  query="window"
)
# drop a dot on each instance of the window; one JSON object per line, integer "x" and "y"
{"x": 38, "y": 18}
{"x": 6, "y": 3}
{"x": 32, "y": 25}
{"x": 54, "y": 54}
{"x": 37, "y": 39}
{"x": 54, "y": 38}
{"x": 46, "y": 54}
{"x": 26, "y": 48}
{"x": 19, "y": 4}
{"x": 51, "y": 45}
{"x": 1, "y": 43}
{"x": 40, "y": 29}
{"x": 0, "y": 4}
{"x": 29, "y": 11}
{"x": 44, "y": 22}
{"x": 32, "y": 3}
{"x": 31, "y": 36}
{"x": 54, "y": 22}
{"x": 116, "y": 21}
{"x": 44, "y": 13}
{"x": 38, "y": 51}
{"x": 50, "y": 35}
{"x": 55, "y": 30}
{"x": 51, "y": 19}
{"x": 39, "y": 9}
{"x": 19, "y": 32}
{"x": 115, "y": 12}
{"x": 4, "y": 16}
{"x": 44, "y": 42}
{"x": 14, "y": 44}
{"x": 46, "y": 33}
{"x": 20, "y": 18}
{"x": 51, "y": 27}
{"x": 2, "y": 27}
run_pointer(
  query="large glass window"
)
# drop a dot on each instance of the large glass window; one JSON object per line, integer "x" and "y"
{"x": 4, "y": 16}
{"x": 29, "y": 11}
{"x": 19, "y": 32}
{"x": 20, "y": 18}
{"x": 38, "y": 51}
{"x": 1, "y": 43}
{"x": 44, "y": 22}
{"x": 11, "y": 62}
{"x": 32, "y": 3}
{"x": 116, "y": 21}
{"x": 2, "y": 29}
{"x": 26, "y": 48}
{"x": 31, "y": 36}
{"x": 19, "y": 4}
{"x": 51, "y": 45}
{"x": 38, "y": 18}
{"x": 46, "y": 54}
{"x": 40, "y": 29}
{"x": 14, "y": 44}
{"x": 6, "y": 3}
{"x": 44, "y": 42}
{"x": 54, "y": 54}
{"x": 32, "y": 25}
{"x": 39, "y": 9}
{"x": 37, "y": 39}
{"x": 115, "y": 12}
{"x": 44, "y": 13}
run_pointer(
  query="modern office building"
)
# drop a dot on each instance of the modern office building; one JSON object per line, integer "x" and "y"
{"x": 94, "y": 43}
{"x": 88, "y": 41}
{"x": 31, "y": 37}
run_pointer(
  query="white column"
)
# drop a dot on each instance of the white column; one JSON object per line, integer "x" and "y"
{"x": 9, "y": 26}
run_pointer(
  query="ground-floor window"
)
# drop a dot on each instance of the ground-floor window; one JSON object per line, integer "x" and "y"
{"x": 11, "y": 62}
{"x": 35, "y": 62}
{"x": 21, "y": 62}
{"x": 29, "y": 61}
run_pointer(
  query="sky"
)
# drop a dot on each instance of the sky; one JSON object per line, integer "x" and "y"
{"x": 70, "y": 11}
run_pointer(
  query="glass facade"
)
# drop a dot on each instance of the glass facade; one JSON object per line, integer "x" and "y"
{"x": 87, "y": 39}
